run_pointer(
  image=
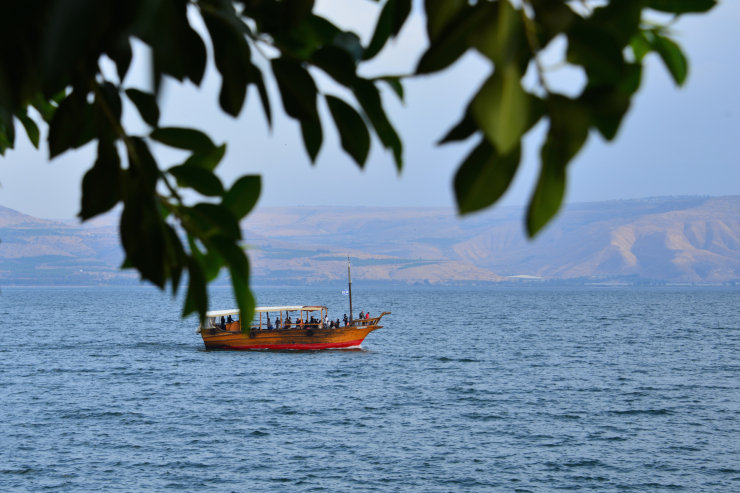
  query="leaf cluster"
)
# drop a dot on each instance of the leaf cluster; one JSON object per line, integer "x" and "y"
{"x": 50, "y": 60}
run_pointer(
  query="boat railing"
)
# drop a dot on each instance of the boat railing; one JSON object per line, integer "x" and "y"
{"x": 364, "y": 322}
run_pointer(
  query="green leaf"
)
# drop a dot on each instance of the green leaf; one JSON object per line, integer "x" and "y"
{"x": 681, "y": 6}
{"x": 500, "y": 36}
{"x": 450, "y": 46}
{"x": 143, "y": 168}
{"x": 395, "y": 84}
{"x": 199, "y": 179}
{"x": 484, "y": 176}
{"x": 146, "y": 104}
{"x": 313, "y": 136}
{"x": 369, "y": 97}
{"x": 72, "y": 125}
{"x": 569, "y": 122}
{"x": 641, "y": 46}
{"x": 440, "y": 14}
{"x": 243, "y": 195}
{"x": 196, "y": 300}
{"x": 31, "y": 129}
{"x": 349, "y": 42}
{"x": 143, "y": 234}
{"x": 183, "y": 138}
{"x": 503, "y": 110}
{"x": 207, "y": 160}
{"x": 672, "y": 56}
{"x": 383, "y": 30}
{"x": 464, "y": 129}
{"x": 337, "y": 63}
{"x": 219, "y": 218}
{"x": 607, "y": 106}
{"x": 352, "y": 130}
{"x": 297, "y": 89}
{"x": 255, "y": 77}
{"x": 597, "y": 52}
{"x": 232, "y": 55}
{"x": 101, "y": 186}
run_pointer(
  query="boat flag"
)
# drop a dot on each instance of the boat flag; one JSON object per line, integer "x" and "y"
{"x": 345, "y": 292}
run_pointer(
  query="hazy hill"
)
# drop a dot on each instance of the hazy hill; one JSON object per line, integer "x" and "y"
{"x": 671, "y": 239}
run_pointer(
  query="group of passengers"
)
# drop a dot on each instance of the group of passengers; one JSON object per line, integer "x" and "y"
{"x": 313, "y": 321}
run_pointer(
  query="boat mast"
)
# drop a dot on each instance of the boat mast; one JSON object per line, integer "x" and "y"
{"x": 349, "y": 276}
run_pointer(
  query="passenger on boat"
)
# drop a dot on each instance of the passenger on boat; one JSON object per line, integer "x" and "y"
{"x": 367, "y": 315}
{"x": 362, "y": 315}
{"x": 277, "y": 324}
{"x": 269, "y": 324}
{"x": 223, "y": 324}
{"x": 229, "y": 319}
{"x": 346, "y": 320}
{"x": 326, "y": 320}
{"x": 336, "y": 324}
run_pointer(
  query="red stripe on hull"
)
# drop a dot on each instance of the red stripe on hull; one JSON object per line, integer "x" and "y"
{"x": 328, "y": 345}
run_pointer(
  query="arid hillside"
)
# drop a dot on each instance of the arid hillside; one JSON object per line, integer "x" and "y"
{"x": 667, "y": 239}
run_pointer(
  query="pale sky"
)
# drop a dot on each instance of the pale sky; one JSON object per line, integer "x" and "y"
{"x": 673, "y": 141}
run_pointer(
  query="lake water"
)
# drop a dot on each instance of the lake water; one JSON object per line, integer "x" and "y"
{"x": 527, "y": 389}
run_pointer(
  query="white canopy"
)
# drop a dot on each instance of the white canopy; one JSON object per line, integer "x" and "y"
{"x": 262, "y": 309}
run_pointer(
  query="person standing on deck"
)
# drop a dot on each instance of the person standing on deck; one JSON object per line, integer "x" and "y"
{"x": 345, "y": 320}
{"x": 362, "y": 315}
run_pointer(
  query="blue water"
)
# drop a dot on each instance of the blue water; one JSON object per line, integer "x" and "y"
{"x": 463, "y": 390}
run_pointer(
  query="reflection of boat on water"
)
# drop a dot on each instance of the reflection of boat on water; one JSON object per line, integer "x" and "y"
{"x": 223, "y": 329}
{"x": 303, "y": 333}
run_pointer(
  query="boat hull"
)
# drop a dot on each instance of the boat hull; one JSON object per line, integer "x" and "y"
{"x": 297, "y": 339}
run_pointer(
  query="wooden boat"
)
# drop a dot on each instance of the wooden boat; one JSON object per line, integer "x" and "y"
{"x": 300, "y": 334}
{"x": 223, "y": 329}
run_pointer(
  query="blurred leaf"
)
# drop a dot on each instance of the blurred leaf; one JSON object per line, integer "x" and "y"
{"x": 607, "y": 106}
{"x": 142, "y": 235}
{"x": 232, "y": 56}
{"x": 352, "y": 130}
{"x": 553, "y": 18}
{"x": 369, "y": 98}
{"x": 199, "y": 179}
{"x": 119, "y": 50}
{"x": 255, "y": 77}
{"x": 620, "y": 19}
{"x": 183, "y": 138}
{"x": 243, "y": 195}
{"x": 569, "y": 121}
{"x": 219, "y": 217}
{"x": 313, "y": 137}
{"x": 395, "y": 84}
{"x": 72, "y": 125}
{"x": 297, "y": 89}
{"x": 349, "y": 42}
{"x": 196, "y": 300}
{"x": 503, "y": 110}
{"x": 484, "y": 176}
{"x": 441, "y": 13}
{"x": 146, "y": 104}
{"x": 207, "y": 160}
{"x": 500, "y": 36}
{"x": 451, "y": 44}
{"x": 464, "y": 129}
{"x": 31, "y": 129}
{"x": 641, "y": 46}
{"x": 101, "y": 186}
{"x": 143, "y": 168}
{"x": 597, "y": 52}
{"x": 337, "y": 63}
{"x": 681, "y": 6}
{"x": 672, "y": 56}
{"x": 383, "y": 30}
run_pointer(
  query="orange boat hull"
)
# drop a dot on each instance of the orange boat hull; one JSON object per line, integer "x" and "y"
{"x": 302, "y": 339}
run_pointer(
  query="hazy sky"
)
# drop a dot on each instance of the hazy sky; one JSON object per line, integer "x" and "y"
{"x": 673, "y": 141}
